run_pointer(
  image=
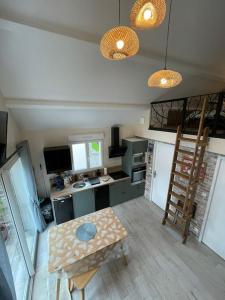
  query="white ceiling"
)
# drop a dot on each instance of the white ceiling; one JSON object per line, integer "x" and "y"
{"x": 50, "y": 52}
{"x": 197, "y": 27}
{"x": 37, "y": 64}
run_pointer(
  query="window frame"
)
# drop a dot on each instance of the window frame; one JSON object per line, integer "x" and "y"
{"x": 86, "y": 142}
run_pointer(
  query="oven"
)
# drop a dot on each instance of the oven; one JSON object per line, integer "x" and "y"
{"x": 138, "y": 159}
{"x": 138, "y": 174}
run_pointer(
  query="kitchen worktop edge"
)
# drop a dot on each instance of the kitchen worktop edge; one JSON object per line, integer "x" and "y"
{"x": 67, "y": 191}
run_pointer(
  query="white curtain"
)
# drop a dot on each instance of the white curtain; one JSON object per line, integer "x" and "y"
{"x": 24, "y": 153}
{"x": 7, "y": 290}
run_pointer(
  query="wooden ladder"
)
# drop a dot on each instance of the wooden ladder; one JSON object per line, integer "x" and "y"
{"x": 183, "y": 186}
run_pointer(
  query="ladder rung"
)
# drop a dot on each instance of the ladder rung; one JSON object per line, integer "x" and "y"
{"x": 174, "y": 225}
{"x": 185, "y": 176}
{"x": 177, "y": 218}
{"x": 185, "y": 139}
{"x": 194, "y": 184}
{"x": 190, "y": 140}
{"x": 182, "y": 163}
{"x": 179, "y": 186}
{"x": 177, "y": 196}
{"x": 178, "y": 207}
{"x": 186, "y": 152}
{"x": 203, "y": 144}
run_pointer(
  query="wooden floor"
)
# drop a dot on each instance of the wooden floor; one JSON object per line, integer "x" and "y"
{"x": 159, "y": 265}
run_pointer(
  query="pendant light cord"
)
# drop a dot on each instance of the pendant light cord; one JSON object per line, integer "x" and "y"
{"x": 168, "y": 31}
{"x": 119, "y": 12}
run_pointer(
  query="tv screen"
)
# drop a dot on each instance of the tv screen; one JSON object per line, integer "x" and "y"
{"x": 3, "y": 136}
{"x": 57, "y": 159}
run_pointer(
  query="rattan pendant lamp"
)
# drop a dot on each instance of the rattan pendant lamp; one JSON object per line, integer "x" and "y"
{"x": 165, "y": 78}
{"x": 119, "y": 42}
{"x": 147, "y": 13}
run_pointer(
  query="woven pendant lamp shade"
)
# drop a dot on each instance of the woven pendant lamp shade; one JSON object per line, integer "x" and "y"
{"x": 147, "y": 13}
{"x": 164, "y": 79}
{"x": 119, "y": 43}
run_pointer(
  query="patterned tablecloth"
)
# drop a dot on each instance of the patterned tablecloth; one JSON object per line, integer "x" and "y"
{"x": 71, "y": 256}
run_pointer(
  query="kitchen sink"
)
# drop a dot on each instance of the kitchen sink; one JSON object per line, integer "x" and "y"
{"x": 79, "y": 185}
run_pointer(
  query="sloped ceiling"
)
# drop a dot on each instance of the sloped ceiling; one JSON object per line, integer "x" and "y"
{"x": 50, "y": 52}
{"x": 39, "y": 119}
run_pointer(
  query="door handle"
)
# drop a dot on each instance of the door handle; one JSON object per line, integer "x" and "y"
{"x": 154, "y": 174}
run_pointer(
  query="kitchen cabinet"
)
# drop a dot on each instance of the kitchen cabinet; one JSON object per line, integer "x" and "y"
{"x": 98, "y": 197}
{"x": 139, "y": 147}
{"x": 101, "y": 197}
{"x": 63, "y": 210}
{"x": 119, "y": 192}
{"x": 134, "y": 146}
{"x": 83, "y": 203}
{"x": 127, "y": 158}
{"x": 136, "y": 190}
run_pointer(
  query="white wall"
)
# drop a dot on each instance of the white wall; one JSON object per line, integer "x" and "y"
{"x": 56, "y": 137}
{"x": 14, "y": 131}
{"x": 215, "y": 145}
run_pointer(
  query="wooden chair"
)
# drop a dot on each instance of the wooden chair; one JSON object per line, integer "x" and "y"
{"x": 81, "y": 281}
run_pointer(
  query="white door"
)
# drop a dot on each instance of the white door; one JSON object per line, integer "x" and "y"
{"x": 214, "y": 233}
{"x": 20, "y": 233}
{"x": 163, "y": 158}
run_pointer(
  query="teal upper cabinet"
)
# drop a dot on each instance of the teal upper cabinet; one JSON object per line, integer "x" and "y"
{"x": 83, "y": 203}
{"x": 139, "y": 147}
{"x": 134, "y": 146}
{"x": 127, "y": 158}
{"x": 119, "y": 192}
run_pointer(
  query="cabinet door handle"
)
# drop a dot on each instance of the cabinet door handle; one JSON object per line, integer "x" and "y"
{"x": 154, "y": 174}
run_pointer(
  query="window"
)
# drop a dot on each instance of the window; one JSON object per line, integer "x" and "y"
{"x": 87, "y": 155}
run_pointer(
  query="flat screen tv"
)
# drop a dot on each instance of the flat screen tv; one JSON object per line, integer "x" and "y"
{"x": 3, "y": 136}
{"x": 57, "y": 159}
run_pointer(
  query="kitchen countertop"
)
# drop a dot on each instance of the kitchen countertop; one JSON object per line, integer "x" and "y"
{"x": 57, "y": 195}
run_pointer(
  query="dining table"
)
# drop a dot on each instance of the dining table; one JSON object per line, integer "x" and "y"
{"x": 72, "y": 253}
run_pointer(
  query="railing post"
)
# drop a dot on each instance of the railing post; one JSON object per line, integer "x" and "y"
{"x": 217, "y": 115}
{"x": 184, "y": 114}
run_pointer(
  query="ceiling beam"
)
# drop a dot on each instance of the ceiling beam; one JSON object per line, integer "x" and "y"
{"x": 144, "y": 56}
{"x": 74, "y": 105}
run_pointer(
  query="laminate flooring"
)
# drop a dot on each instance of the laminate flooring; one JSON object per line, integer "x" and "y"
{"x": 159, "y": 265}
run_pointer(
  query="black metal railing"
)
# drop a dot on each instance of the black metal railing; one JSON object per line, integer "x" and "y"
{"x": 167, "y": 115}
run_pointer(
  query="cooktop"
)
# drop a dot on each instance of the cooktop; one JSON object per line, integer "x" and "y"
{"x": 94, "y": 180}
{"x": 118, "y": 175}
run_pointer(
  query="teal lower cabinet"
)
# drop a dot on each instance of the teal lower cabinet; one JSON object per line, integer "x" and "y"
{"x": 83, "y": 203}
{"x": 119, "y": 192}
{"x": 136, "y": 190}
{"x": 123, "y": 191}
